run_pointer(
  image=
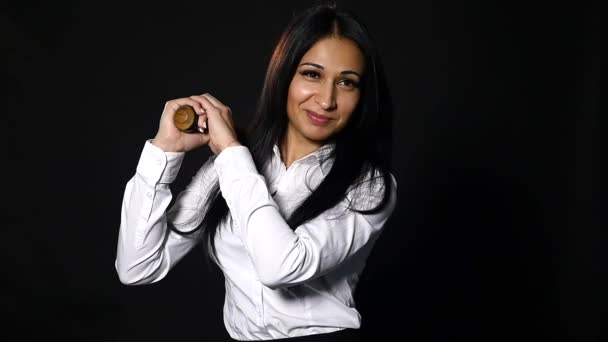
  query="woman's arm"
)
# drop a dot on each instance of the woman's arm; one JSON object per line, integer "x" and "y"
{"x": 281, "y": 256}
{"x": 147, "y": 249}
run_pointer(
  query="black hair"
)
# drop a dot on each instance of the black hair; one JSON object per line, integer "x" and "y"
{"x": 362, "y": 147}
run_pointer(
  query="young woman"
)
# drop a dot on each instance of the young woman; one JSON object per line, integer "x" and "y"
{"x": 291, "y": 209}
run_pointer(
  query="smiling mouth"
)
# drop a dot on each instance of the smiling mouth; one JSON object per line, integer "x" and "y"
{"x": 316, "y": 119}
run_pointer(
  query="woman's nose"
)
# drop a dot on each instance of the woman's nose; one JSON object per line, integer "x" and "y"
{"x": 326, "y": 97}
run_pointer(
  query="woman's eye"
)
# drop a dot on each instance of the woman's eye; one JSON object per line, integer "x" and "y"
{"x": 350, "y": 83}
{"x": 311, "y": 74}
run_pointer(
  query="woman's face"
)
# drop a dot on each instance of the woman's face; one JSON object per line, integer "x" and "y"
{"x": 324, "y": 90}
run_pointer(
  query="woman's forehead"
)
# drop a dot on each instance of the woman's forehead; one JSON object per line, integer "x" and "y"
{"x": 335, "y": 53}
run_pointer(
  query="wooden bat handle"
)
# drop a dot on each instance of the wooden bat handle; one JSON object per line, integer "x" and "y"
{"x": 185, "y": 119}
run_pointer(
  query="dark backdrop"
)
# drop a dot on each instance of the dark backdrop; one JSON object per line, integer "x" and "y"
{"x": 498, "y": 233}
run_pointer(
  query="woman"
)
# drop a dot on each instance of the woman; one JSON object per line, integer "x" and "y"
{"x": 289, "y": 211}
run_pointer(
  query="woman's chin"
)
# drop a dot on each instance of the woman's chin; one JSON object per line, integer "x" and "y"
{"x": 318, "y": 136}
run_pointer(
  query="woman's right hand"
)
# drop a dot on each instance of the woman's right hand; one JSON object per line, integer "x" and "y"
{"x": 169, "y": 138}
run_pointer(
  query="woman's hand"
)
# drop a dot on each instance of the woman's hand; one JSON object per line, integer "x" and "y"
{"x": 171, "y": 139}
{"x": 220, "y": 124}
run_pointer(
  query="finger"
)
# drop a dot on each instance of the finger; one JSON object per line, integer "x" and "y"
{"x": 207, "y": 105}
{"x": 202, "y": 123}
{"x": 213, "y": 100}
{"x": 173, "y": 105}
{"x": 199, "y": 107}
{"x": 224, "y": 110}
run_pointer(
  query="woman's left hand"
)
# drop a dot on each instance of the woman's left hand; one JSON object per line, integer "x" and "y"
{"x": 219, "y": 124}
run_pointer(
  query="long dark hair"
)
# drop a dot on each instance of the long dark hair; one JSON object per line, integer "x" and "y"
{"x": 362, "y": 148}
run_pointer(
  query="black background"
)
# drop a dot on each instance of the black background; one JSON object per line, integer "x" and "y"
{"x": 498, "y": 233}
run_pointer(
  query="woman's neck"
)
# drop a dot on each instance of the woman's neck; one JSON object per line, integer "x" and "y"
{"x": 295, "y": 146}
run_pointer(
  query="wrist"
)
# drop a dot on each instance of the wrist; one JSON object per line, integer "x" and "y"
{"x": 164, "y": 146}
{"x": 234, "y": 143}
{"x": 230, "y": 144}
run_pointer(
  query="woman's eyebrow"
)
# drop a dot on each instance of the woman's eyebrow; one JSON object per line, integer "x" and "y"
{"x": 321, "y": 67}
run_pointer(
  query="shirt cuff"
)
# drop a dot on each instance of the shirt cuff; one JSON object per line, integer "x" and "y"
{"x": 234, "y": 160}
{"x": 157, "y": 166}
{"x": 233, "y": 165}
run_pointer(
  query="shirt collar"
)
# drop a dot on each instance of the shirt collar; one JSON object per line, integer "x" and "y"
{"x": 321, "y": 156}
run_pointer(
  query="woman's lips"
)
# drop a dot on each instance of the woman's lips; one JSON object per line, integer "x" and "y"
{"x": 316, "y": 119}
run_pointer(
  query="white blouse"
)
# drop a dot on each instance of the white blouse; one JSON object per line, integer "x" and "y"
{"x": 279, "y": 282}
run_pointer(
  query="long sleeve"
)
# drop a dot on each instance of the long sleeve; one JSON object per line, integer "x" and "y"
{"x": 147, "y": 249}
{"x": 283, "y": 257}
